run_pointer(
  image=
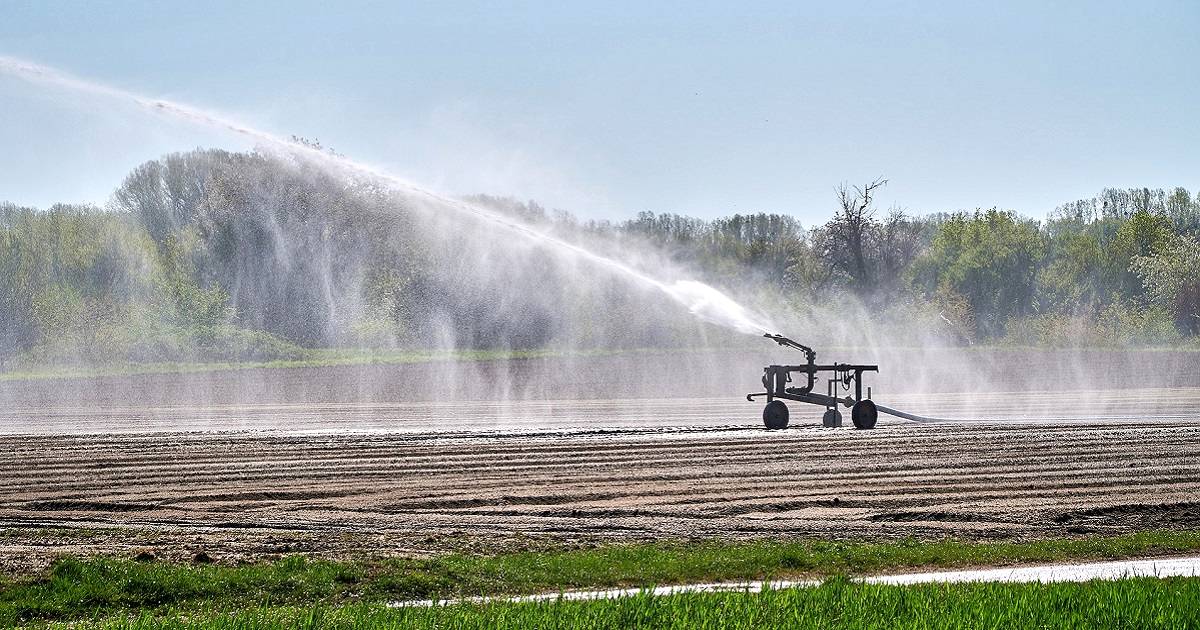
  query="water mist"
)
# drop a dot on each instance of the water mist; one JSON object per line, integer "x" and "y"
{"x": 701, "y": 300}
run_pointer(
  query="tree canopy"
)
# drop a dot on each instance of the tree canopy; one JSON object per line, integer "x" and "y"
{"x": 218, "y": 255}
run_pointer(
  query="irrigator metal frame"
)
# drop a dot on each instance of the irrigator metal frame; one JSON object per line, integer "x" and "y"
{"x": 863, "y": 412}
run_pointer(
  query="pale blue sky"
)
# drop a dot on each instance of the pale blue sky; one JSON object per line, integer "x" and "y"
{"x": 612, "y": 108}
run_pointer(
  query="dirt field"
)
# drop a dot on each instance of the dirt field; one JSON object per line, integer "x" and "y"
{"x": 240, "y": 479}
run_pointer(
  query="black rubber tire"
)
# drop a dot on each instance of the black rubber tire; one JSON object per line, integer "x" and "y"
{"x": 864, "y": 414}
{"x": 833, "y": 414}
{"x": 775, "y": 415}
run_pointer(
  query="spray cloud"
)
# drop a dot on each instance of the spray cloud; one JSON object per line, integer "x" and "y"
{"x": 703, "y": 301}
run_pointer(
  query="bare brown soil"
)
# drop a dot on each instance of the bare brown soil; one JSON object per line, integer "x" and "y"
{"x": 85, "y": 471}
{"x": 238, "y": 496}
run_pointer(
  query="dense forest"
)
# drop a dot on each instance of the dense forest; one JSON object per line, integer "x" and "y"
{"x": 213, "y": 255}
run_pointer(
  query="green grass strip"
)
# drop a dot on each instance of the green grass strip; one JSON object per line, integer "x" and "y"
{"x": 1141, "y": 603}
{"x": 337, "y": 357}
{"x": 332, "y": 357}
{"x": 312, "y": 358}
{"x": 77, "y": 589}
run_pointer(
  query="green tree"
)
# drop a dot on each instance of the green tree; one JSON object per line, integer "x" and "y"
{"x": 1141, "y": 235}
{"x": 990, "y": 258}
{"x": 1172, "y": 280}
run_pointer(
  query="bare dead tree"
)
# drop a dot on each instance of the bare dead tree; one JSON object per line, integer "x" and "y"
{"x": 848, "y": 234}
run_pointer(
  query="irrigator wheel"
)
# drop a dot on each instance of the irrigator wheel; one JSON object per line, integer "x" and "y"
{"x": 831, "y": 418}
{"x": 775, "y": 415}
{"x": 864, "y": 414}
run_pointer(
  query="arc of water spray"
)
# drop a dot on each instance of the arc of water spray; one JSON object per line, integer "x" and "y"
{"x": 702, "y": 300}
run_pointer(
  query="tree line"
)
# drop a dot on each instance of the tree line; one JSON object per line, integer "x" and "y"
{"x": 1121, "y": 267}
{"x": 214, "y": 255}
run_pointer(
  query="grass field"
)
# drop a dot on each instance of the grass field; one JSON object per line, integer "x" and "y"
{"x": 332, "y": 357}
{"x": 77, "y": 590}
{"x": 311, "y": 358}
{"x": 1133, "y": 603}
{"x": 315, "y": 357}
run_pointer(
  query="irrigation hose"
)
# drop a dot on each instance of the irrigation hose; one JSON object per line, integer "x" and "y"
{"x": 907, "y": 416}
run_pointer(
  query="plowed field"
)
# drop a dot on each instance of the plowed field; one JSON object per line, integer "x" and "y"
{"x": 240, "y": 477}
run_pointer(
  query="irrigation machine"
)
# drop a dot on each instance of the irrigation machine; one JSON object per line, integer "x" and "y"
{"x": 844, "y": 377}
